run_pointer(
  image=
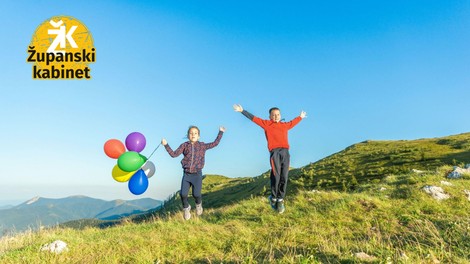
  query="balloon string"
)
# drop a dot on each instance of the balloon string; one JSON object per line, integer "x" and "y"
{"x": 154, "y": 151}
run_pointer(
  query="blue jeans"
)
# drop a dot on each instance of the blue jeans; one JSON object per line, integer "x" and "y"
{"x": 193, "y": 180}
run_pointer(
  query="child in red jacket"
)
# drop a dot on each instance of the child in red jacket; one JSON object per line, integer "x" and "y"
{"x": 278, "y": 145}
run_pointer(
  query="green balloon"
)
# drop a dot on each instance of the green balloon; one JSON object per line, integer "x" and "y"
{"x": 130, "y": 161}
{"x": 143, "y": 158}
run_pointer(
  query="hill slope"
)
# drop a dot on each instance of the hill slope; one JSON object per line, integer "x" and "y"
{"x": 384, "y": 213}
{"x": 400, "y": 224}
{"x": 371, "y": 160}
{"x": 368, "y": 161}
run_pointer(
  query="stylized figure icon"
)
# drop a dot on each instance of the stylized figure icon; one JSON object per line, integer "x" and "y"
{"x": 61, "y": 37}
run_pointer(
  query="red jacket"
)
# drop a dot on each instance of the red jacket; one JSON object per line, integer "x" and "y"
{"x": 276, "y": 133}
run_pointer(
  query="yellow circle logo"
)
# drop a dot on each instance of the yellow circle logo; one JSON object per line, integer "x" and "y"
{"x": 61, "y": 48}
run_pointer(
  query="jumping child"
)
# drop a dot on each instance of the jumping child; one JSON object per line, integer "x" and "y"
{"x": 278, "y": 145}
{"x": 193, "y": 161}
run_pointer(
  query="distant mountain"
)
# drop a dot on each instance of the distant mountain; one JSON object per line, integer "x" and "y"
{"x": 40, "y": 211}
{"x": 5, "y": 207}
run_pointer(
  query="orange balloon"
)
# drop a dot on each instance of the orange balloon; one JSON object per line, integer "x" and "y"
{"x": 114, "y": 148}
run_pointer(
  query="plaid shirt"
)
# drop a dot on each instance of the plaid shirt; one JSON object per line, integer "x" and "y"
{"x": 194, "y": 154}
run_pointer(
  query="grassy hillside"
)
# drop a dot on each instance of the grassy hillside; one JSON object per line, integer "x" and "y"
{"x": 221, "y": 191}
{"x": 373, "y": 160}
{"x": 217, "y": 191}
{"x": 400, "y": 224}
{"x": 364, "y": 162}
{"x": 362, "y": 199}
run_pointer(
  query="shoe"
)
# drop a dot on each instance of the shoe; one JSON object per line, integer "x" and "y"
{"x": 199, "y": 209}
{"x": 187, "y": 213}
{"x": 272, "y": 202}
{"x": 280, "y": 206}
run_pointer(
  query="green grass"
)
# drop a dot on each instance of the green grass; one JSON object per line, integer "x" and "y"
{"x": 361, "y": 199}
{"x": 373, "y": 160}
{"x": 400, "y": 224}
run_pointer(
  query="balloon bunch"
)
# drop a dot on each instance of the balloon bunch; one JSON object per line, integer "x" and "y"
{"x": 131, "y": 167}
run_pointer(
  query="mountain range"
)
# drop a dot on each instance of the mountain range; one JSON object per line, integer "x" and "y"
{"x": 39, "y": 212}
{"x": 5, "y": 206}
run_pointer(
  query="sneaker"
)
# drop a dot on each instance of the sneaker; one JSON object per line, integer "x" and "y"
{"x": 187, "y": 213}
{"x": 280, "y": 206}
{"x": 199, "y": 209}
{"x": 272, "y": 202}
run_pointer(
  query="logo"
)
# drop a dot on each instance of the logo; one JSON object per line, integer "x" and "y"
{"x": 61, "y": 48}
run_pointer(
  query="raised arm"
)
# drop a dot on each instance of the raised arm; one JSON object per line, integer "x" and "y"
{"x": 217, "y": 139}
{"x": 170, "y": 151}
{"x": 296, "y": 120}
{"x": 239, "y": 108}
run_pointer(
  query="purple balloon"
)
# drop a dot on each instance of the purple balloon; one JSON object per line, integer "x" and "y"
{"x": 135, "y": 141}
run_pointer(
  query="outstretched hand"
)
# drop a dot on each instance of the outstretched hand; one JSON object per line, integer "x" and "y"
{"x": 164, "y": 142}
{"x": 303, "y": 114}
{"x": 222, "y": 129}
{"x": 237, "y": 108}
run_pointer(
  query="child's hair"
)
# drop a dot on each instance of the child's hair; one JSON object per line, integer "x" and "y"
{"x": 273, "y": 108}
{"x": 191, "y": 127}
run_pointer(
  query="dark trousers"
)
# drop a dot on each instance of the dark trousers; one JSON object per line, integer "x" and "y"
{"x": 280, "y": 159}
{"x": 193, "y": 180}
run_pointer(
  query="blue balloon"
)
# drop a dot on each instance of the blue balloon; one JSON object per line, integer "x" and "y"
{"x": 138, "y": 183}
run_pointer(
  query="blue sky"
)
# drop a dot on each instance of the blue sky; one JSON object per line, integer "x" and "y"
{"x": 362, "y": 70}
